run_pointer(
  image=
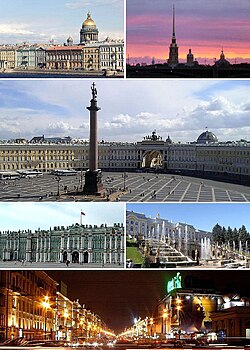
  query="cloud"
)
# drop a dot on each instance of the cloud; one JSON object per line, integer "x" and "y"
{"x": 15, "y": 28}
{"x": 33, "y": 33}
{"x": 218, "y": 113}
{"x": 75, "y": 5}
{"x": 31, "y": 215}
{"x": 129, "y": 109}
{"x": 60, "y": 128}
{"x": 111, "y": 34}
{"x": 199, "y": 25}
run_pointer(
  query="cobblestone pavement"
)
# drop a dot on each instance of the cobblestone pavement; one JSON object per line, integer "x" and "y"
{"x": 137, "y": 187}
{"x": 55, "y": 265}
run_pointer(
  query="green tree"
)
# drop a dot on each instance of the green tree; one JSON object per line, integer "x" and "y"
{"x": 243, "y": 234}
{"x": 229, "y": 235}
{"x": 223, "y": 235}
{"x": 217, "y": 233}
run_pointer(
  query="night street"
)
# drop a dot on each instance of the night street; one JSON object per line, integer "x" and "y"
{"x": 125, "y": 309}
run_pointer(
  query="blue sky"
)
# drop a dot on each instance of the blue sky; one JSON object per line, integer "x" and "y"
{"x": 201, "y": 216}
{"x": 130, "y": 109}
{"x": 15, "y": 216}
{"x": 41, "y": 21}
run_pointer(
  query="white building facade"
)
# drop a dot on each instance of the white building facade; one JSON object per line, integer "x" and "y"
{"x": 228, "y": 160}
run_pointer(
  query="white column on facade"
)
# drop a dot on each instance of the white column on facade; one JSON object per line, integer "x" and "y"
{"x": 68, "y": 242}
{"x": 122, "y": 242}
{"x": 62, "y": 242}
{"x": 49, "y": 247}
{"x": 105, "y": 249}
{"x": 28, "y": 249}
{"x": 90, "y": 251}
{"x": 7, "y": 248}
{"x": 110, "y": 248}
{"x": 8, "y": 243}
{"x": 82, "y": 241}
{"x": 15, "y": 243}
{"x": 122, "y": 249}
{"x": 18, "y": 246}
{"x": 41, "y": 248}
{"x": 37, "y": 248}
{"x": 45, "y": 247}
{"x": 116, "y": 251}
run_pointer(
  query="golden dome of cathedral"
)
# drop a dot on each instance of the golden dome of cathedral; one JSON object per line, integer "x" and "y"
{"x": 89, "y": 21}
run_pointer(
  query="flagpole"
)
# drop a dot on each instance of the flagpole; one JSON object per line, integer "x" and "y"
{"x": 81, "y": 214}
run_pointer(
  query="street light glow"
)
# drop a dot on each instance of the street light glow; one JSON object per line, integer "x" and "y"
{"x": 45, "y": 303}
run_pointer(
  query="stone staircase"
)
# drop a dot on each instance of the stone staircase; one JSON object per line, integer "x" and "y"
{"x": 167, "y": 255}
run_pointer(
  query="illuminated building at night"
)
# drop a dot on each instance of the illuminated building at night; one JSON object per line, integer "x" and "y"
{"x": 34, "y": 306}
{"x": 193, "y": 305}
{"x": 234, "y": 321}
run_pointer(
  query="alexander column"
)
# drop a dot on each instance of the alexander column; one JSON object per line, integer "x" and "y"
{"x": 93, "y": 176}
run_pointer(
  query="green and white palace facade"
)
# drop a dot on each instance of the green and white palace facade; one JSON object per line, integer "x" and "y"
{"x": 82, "y": 244}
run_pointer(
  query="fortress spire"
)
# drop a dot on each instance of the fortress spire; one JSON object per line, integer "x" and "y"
{"x": 173, "y": 48}
{"x": 173, "y": 22}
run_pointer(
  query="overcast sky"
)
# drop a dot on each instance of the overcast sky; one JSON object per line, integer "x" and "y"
{"x": 41, "y": 21}
{"x": 130, "y": 109}
{"x": 204, "y": 26}
{"x": 203, "y": 216}
{"x": 15, "y": 216}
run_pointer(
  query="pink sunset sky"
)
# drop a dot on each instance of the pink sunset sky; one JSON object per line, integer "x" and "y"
{"x": 205, "y": 26}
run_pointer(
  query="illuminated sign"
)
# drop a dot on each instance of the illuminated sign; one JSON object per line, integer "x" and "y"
{"x": 174, "y": 283}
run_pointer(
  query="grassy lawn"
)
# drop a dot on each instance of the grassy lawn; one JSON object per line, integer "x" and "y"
{"x": 134, "y": 254}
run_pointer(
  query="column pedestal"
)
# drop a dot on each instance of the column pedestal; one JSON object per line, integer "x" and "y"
{"x": 93, "y": 182}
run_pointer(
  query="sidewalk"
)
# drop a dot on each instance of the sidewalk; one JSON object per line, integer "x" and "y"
{"x": 55, "y": 265}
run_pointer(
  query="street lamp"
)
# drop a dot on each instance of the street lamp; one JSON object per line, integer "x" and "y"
{"x": 124, "y": 176}
{"x": 66, "y": 315}
{"x": 45, "y": 303}
{"x": 81, "y": 326}
{"x": 89, "y": 326}
{"x": 178, "y": 308}
{"x": 165, "y": 316}
{"x": 58, "y": 179}
{"x": 151, "y": 322}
